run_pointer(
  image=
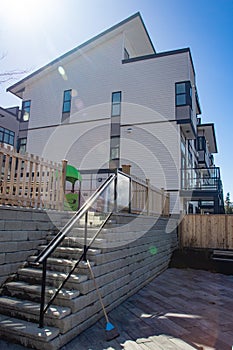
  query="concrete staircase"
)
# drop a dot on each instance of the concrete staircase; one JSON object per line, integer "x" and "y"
{"x": 129, "y": 252}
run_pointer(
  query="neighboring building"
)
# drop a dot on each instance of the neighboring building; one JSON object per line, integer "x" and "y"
{"x": 112, "y": 101}
{"x": 13, "y": 128}
{"x": 9, "y": 126}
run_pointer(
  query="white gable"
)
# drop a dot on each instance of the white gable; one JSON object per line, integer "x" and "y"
{"x": 134, "y": 38}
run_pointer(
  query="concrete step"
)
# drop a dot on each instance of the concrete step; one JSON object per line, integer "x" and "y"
{"x": 30, "y": 310}
{"x": 76, "y": 241}
{"x": 24, "y": 290}
{"x": 28, "y": 333}
{"x": 94, "y": 219}
{"x": 71, "y": 252}
{"x": 62, "y": 265}
{"x": 98, "y": 242}
{"x": 54, "y": 278}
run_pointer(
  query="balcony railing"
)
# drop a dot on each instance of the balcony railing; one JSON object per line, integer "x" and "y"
{"x": 201, "y": 179}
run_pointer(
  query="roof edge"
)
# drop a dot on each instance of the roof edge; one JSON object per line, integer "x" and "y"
{"x": 156, "y": 55}
{"x": 9, "y": 112}
{"x": 213, "y": 129}
{"x": 96, "y": 37}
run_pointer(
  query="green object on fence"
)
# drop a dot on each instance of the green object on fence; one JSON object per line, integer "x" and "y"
{"x": 71, "y": 198}
{"x": 72, "y": 174}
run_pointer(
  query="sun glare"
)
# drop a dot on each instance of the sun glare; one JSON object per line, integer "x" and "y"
{"x": 23, "y": 13}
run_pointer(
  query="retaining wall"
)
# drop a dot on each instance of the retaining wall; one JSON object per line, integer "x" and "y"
{"x": 21, "y": 232}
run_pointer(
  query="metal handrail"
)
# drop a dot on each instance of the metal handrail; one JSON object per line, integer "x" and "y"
{"x": 44, "y": 255}
{"x": 82, "y": 258}
{"x": 69, "y": 225}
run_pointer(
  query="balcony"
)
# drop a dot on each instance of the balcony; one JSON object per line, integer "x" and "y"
{"x": 184, "y": 111}
{"x": 184, "y": 118}
{"x": 201, "y": 179}
{"x": 205, "y": 159}
{"x": 203, "y": 185}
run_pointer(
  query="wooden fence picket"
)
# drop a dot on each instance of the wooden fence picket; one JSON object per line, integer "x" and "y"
{"x": 29, "y": 181}
{"x": 206, "y": 231}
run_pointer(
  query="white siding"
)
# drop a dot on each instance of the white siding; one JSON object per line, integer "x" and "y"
{"x": 151, "y": 83}
{"x": 85, "y": 145}
{"x": 153, "y": 150}
{"x": 148, "y": 104}
{"x": 92, "y": 78}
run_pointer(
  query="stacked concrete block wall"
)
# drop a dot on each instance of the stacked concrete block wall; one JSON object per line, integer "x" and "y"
{"x": 21, "y": 232}
{"x": 130, "y": 251}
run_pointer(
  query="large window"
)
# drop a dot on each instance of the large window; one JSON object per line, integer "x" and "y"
{"x": 26, "y": 108}
{"x": 66, "y": 101}
{"x": 183, "y": 94}
{"x": 7, "y": 136}
{"x": 116, "y": 104}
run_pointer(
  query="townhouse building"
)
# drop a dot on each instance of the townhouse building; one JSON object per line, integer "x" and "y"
{"x": 114, "y": 100}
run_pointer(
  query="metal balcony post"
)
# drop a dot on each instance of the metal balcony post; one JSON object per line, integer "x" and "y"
{"x": 85, "y": 238}
{"x": 115, "y": 192}
{"x": 130, "y": 195}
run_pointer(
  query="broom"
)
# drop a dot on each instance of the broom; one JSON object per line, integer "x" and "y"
{"x": 110, "y": 330}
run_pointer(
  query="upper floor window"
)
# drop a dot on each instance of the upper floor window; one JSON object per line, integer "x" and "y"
{"x": 26, "y": 108}
{"x": 66, "y": 101}
{"x": 116, "y": 104}
{"x": 184, "y": 94}
{"x": 7, "y": 136}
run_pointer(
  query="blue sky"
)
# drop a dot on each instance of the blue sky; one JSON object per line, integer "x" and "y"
{"x": 34, "y": 32}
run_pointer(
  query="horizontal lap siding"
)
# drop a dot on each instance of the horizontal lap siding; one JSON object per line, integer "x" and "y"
{"x": 148, "y": 96}
{"x": 153, "y": 152}
{"x": 85, "y": 145}
{"x": 151, "y": 83}
{"x": 91, "y": 75}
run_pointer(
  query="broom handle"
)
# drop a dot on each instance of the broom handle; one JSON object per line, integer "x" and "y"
{"x": 97, "y": 290}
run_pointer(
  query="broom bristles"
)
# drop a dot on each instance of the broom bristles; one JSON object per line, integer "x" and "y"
{"x": 111, "y": 333}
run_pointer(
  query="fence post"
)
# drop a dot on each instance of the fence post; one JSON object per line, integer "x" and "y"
{"x": 148, "y": 194}
{"x": 126, "y": 168}
{"x": 63, "y": 184}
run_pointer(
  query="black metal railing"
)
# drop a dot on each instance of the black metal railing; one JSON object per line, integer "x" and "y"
{"x": 111, "y": 195}
{"x": 103, "y": 201}
{"x": 201, "y": 179}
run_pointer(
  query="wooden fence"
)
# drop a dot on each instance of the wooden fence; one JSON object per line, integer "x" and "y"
{"x": 206, "y": 231}
{"x": 148, "y": 199}
{"x": 30, "y": 181}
